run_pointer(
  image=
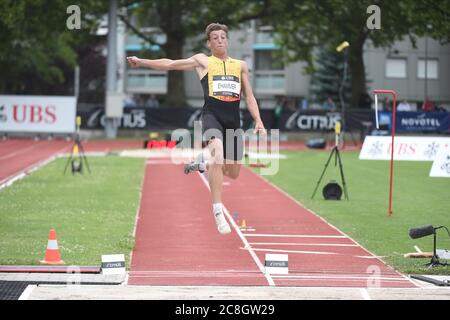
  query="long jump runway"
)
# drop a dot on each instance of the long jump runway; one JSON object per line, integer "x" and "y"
{"x": 177, "y": 242}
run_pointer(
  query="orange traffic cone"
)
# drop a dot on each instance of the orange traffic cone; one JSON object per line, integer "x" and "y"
{"x": 52, "y": 255}
{"x": 243, "y": 224}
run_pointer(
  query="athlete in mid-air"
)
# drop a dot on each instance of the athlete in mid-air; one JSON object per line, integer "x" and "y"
{"x": 224, "y": 80}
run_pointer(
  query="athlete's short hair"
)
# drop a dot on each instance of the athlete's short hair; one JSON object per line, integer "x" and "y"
{"x": 215, "y": 27}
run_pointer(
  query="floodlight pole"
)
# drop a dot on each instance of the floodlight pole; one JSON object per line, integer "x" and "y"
{"x": 111, "y": 123}
{"x": 394, "y": 111}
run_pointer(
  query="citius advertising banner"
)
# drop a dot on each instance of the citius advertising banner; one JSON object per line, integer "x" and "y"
{"x": 405, "y": 148}
{"x": 47, "y": 114}
{"x": 312, "y": 121}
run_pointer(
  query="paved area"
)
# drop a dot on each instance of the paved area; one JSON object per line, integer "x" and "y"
{"x": 51, "y": 286}
{"x": 51, "y": 292}
{"x": 70, "y": 278}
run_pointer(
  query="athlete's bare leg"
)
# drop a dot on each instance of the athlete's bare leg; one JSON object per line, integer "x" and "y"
{"x": 215, "y": 169}
{"x": 215, "y": 177}
{"x": 231, "y": 170}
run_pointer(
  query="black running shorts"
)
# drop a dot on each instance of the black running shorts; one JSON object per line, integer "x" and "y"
{"x": 227, "y": 128}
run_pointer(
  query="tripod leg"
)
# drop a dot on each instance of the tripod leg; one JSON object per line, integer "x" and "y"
{"x": 323, "y": 172}
{"x": 83, "y": 156}
{"x": 342, "y": 174}
{"x": 336, "y": 157}
{"x": 67, "y": 163}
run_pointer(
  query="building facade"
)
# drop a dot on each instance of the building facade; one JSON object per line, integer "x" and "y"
{"x": 401, "y": 68}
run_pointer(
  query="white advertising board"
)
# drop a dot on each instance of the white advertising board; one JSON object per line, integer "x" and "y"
{"x": 441, "y": 165}
{"x": 50, "y": 114}
{"x": 405, "y": 148}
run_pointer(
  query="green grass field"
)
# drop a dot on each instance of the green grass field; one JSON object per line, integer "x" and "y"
{"x": 92, "y": 214}
{"x": 417, "y": 200}
{"x": 95, "y": 214}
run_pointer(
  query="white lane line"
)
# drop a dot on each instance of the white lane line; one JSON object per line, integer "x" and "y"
{"x": 336, "y": 278}
{"x": 136, "y": 218}
{"x": 292, "y": 251}
{"x": 15, "y": 153}
{"x": 23, "y": 173}
{"x": 291, "y": 235}
{"x": 302, "y": 244}
{"x": 27, "y": 292}
{"x": 313, "y": 252}
{"x": 246, "y": 244}
{"x": 365, "y": 294}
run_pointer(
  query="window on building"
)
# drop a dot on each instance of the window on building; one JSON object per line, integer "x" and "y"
{"x": 264, "y": 34}
{"x": 432, "y": 68}
{"x": 396, "y": 68}
{"x": 265, "y": 61}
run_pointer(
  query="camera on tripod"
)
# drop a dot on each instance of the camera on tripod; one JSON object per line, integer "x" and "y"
{"x": 333, "y": 191}
{"x": 77, "y": 155}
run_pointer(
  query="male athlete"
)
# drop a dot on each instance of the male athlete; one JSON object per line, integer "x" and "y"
{"x": 223, "y": 80}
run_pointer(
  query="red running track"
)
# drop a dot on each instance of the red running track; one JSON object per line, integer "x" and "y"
{"x": 20, "y": 155}
{"x": 177, "y": 242}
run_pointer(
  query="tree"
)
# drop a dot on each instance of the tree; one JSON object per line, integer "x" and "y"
{"x": 430, "y": 18}
{"x": 183, "y": 19}
{"x": 326, "y": 81}
{"x": 37, "y": 50}
{"x": 307, "y": 24}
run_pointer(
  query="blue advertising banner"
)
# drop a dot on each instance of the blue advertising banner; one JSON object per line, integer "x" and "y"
{"x": 418, "y": 121}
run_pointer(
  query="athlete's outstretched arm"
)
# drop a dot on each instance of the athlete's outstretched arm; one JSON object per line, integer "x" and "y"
{"x": 252, "y": 105}
{"x": 167, "y": 64}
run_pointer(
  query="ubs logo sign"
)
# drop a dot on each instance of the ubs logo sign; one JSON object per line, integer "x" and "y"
{"x": 432, "y": 150}
{"x": 446, "y": 166}
{"x": 376, "y": 149}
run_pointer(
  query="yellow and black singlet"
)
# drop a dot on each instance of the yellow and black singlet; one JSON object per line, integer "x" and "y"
{"x": 222, "y": 90}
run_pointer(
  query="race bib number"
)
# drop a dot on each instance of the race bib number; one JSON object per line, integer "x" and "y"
{"x": 226, "y": 86}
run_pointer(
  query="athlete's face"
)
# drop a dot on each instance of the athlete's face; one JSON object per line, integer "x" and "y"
{"x": 218, "y": 42}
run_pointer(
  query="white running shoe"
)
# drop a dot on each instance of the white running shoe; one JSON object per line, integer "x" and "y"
{"x": 222, "y": 224}
{"x": 198, "y": 165}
